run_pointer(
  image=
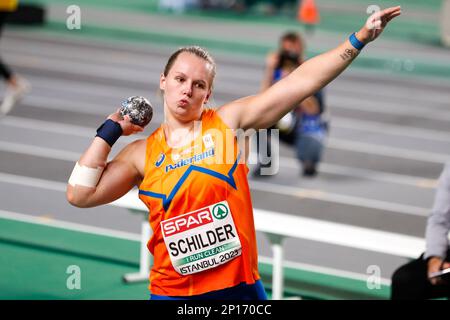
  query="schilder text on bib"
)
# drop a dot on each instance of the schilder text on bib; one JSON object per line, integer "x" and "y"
{"x": 202, "y": 239}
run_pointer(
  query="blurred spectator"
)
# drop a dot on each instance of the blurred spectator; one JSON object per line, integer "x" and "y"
{"x": 242, "y": 6}
{"x": 16, "y": 86}
{"x": 304, "y": 127}
{"x": 178, "y": 5}
{"x": 273, "y": 6}
{"x": 445, "y": 23}
{"x": 311, "y": 133}
{"x": 279, "y": 4}
{"x": 411, "y": 281}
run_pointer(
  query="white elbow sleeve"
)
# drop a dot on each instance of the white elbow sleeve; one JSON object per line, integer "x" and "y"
{"x": 85, "y": 176}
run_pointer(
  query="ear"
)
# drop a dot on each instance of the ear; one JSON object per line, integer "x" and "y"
{"x": 162, "y": 82}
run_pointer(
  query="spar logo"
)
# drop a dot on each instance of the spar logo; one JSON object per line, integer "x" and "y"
{"x": 186, "y": 222}
{"x": 220, "y": 211}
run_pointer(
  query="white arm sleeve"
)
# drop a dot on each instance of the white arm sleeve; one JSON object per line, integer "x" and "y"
{"x": 85, "y": 176}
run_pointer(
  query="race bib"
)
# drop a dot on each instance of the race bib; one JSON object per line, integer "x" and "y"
{"x": 202, "y": 239}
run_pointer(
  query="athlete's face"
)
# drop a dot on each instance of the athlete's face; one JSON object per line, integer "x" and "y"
{"x": 187, "y": 86}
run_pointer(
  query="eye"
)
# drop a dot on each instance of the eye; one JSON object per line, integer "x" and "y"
{"x": 200, "y": 85}
{"x": 179, "y": 79}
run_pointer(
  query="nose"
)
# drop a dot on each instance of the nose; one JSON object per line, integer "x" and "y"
{"x": 187, "y": 89}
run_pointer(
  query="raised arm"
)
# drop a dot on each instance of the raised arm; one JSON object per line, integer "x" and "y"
{"x": 95, "y": 181}
{"x": 266, "y": 108}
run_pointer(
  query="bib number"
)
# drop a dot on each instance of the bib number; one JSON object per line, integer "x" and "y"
{"x": 202, "y": 239}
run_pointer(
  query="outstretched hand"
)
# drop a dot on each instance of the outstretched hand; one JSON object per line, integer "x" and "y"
{"x": 376, "y": 23}
{"x": 128, "y": 127}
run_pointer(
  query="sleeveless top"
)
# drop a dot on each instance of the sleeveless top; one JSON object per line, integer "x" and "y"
{"x": 200, "y": 211}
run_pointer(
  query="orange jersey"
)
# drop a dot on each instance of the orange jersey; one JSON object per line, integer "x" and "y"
{"x": 200, "y": 211}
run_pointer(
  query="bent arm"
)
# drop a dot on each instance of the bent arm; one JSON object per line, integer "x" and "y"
{"x": 117, "y": 176}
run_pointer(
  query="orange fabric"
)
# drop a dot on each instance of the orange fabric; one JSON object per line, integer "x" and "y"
{"x": 198, "y": 190}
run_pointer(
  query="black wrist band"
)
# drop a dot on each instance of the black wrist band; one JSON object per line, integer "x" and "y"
{"x": 109, "y": 131}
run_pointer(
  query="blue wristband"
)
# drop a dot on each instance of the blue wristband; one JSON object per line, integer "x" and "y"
{"x": 355, "y": 42}
{"x": 109, "y": 131}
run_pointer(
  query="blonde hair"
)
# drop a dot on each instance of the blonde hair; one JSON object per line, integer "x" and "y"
{"x": 199, "y": 52}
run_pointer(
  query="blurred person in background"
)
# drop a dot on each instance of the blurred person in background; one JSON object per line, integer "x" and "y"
{"x": 178, "y": 6}
{"x": 272, "y": 7}
{"x": 16, "y": 86}
{"x": 412, "y": 281}
{"x": 304, "y": 127}
{"x": 218, "y": 260}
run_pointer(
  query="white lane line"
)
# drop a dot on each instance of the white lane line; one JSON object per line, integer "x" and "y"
{"x": 47, "y": 84}
{"x": 149, "y": 60}
{"x": 129, "y": 198}
{"x": 137, "y": 62}
{"x": 387, "y": 151}
{"x": 140, "y": 60}
{"x": 336, "y": 121}
{"x": 391, "y": 129}
{"x": 338, "y": 198}
{"x": 83, "y": 69}
{"x": 10, "y": 215}
{"x": 87, "y": 55}
{"x": 342, "y": 144}
{"x": 86, "y": 132}
{"x": 365, "y": 174}
{"x": 39, "y": 151}
{"x": 259, "y": 186}
{"x": 339, "y": 99}
{"x": 33, "y": 182}
{"x": 418, "y": 96}
{"x": 62, "y": 61}
{"x": 58, "y": 128}
{"x": 145, "y": 76}
{"x": 335, "y": 143}
{"x": 53, "y": 103}
{"x": 284, "y": 161}
{"x": 48, "y": 126}
{"x": 43, "y": 85}
{"x": 388, "y": 108}
{"x": 324, "y": 270}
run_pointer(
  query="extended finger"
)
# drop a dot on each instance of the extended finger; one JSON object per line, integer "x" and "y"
{"x": 391, "y": 10}
{"x": 387, "y": 14}
{"x": 392, "y": 16}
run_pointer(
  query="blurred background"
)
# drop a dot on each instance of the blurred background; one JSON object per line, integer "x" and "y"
{"x": 389, "y": 134}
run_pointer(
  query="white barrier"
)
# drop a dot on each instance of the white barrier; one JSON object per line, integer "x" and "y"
{"x": 278, "y": 226}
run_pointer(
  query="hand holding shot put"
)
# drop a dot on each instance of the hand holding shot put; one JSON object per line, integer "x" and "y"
{"x": 131, "y": 118}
